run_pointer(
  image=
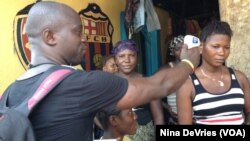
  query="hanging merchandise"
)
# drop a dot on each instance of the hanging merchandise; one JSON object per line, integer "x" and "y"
{"x": 139, "y": 13}
{"x": 139, "y": 17}
{"x": 190, "y": 27}
{"x": 146, "y": 11}
{"x": 193, "y": 28}
{"x": 152, "y": 21}
{"x": 130, "y": 9}
{"x": 197, "y": 27}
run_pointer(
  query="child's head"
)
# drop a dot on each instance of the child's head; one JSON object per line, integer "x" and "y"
{"x": 121, "y": 122}
{"x": 175, "y": 46}
{"x": 108, "y": 64}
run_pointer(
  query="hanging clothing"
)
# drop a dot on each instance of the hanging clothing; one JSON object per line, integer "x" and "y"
{"x": 130, "y": 9}
{"x": 139, "y": 13}
{"x": 139, "y": 18}
{"x": 152, "y": 20}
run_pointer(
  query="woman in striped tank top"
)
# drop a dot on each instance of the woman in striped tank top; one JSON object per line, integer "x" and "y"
{"x": 215, "y": 94}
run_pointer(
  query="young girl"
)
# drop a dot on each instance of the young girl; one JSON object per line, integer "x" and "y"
{"x": 118, "y": 123}
{"x": 108, "y": 64}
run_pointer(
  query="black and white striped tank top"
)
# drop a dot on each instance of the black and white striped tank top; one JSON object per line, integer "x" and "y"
{"x": 218, "y": 109}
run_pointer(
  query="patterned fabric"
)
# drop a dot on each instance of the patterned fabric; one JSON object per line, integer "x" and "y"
{"x": 172, "y": 102}
{"x": 220, "y": 109}
{"x": 130, "y": 9}
{"x": 144, "y": 133}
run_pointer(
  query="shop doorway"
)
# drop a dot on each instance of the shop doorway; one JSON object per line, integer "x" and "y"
{"x": 187, "y": 17}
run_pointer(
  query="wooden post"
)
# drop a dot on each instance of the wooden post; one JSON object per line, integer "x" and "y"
{"x": 237, "y": 14}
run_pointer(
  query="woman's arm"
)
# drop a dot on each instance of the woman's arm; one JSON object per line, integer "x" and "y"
{"x": 143, "y": 90}
{"x": 157, "y": 112}
{"x": 245, "y": 85}
{"x": 184, "y": 103}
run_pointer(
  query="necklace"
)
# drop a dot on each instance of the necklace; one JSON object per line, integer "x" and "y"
{"x": 221, "y": 83}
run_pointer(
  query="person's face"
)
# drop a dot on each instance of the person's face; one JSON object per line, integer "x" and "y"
{"x": 126, "y": 61}
{"x": 126, "y": 122}
{"x": 216, "y": 49}
{"x": 177, "y": 51}
{"x": 71, "y": 42}
{"x": 110, "y": 66}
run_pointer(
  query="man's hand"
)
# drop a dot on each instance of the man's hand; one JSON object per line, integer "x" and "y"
{"x": 192, "y": 54}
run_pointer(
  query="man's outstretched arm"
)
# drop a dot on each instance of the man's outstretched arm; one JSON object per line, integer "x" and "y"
{"x": 162, "y": 83}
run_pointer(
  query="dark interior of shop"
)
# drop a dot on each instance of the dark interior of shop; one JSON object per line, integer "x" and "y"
{"x": 180, "y": 10}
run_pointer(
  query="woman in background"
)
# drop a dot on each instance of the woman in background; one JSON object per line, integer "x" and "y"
{"x": 169, "y": 103}
{"x": 150, "y": 114}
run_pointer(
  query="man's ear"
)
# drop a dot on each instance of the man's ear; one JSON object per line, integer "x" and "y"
{"x": 113, "y": 120}
{"x": 49, "y": 37}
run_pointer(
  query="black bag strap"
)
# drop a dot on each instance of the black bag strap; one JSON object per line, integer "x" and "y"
{"x": 47, "y": 81}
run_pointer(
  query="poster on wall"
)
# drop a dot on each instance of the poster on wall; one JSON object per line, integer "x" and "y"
{"x": 98, "y": 31}
{"x": 21, "y": 43}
